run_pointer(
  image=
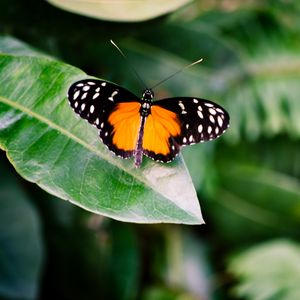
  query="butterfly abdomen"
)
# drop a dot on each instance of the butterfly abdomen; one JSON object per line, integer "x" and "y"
{"x": 138, "y": 153}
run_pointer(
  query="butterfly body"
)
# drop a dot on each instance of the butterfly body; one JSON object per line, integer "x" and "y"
{"x": 132, "y": 127}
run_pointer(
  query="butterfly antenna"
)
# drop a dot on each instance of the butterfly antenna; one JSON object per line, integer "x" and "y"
{"x": 177, "y": 72}
{"x": 130, "y": 65}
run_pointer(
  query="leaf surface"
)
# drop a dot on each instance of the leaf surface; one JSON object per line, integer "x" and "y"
{"x": 48, "y": 145}
{"x": 269, "y": 271}
{"x": 120, "y": 10}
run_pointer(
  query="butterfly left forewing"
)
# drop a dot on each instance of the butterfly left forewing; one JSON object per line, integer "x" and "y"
{"x": 92, "y": 99}
{"x": 110, "y": 108}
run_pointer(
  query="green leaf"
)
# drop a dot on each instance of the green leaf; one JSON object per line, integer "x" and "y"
{"x": 48, "y": 145}
{"x": 122, "y": 11}
{"x": 258, "y": 201}
{"x": 270, "y": 271}
{"x": 21, "y": 251}
{"x": 257, "y": 192}
{"x": 262, "y": 94}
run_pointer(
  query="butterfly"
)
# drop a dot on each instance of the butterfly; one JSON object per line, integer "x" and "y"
{"x": 132, "y": 127}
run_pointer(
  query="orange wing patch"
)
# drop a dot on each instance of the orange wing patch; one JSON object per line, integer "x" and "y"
{"x": 125, "y": 120}
{"x": 160, "y": 125}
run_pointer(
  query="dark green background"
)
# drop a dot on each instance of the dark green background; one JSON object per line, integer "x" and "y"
{"x": 247, "y": 181}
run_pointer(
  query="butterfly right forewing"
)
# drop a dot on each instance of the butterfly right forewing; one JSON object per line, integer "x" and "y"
{"x": 200, "y": 119}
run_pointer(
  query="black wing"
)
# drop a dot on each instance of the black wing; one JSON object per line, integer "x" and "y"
{"x": 94, "y": 100}
{"x": 200, "y": 120}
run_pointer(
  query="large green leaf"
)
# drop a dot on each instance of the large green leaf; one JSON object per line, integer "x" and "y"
{"x": 258, "y": 191}
{"x": 122, "y": 10}
{"x": 270, "y": 271}
{"x": 48, "y": 145}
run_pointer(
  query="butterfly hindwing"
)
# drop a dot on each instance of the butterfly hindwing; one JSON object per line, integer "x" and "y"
{"x": 109, "y": 107}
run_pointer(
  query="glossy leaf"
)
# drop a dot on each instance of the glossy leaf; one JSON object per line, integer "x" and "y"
{"x": 48, "y": 145}
{"x": 270, "y": 271}
{"x": 258, "y": 192}
{"x": 124, "y": 10}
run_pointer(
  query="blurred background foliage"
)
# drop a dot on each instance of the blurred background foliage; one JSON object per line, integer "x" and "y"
{"x": 247, "y": 181}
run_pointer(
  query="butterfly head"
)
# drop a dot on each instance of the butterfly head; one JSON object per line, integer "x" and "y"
{"x": 148, "y": 96}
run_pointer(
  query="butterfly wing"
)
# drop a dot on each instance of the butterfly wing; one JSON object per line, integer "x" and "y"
{"x": 180, "y": 122}
{"x": 112, "y": 109}
{"x": 161, "y": 129}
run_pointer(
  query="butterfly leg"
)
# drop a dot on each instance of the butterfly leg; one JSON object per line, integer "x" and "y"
{"x": 138, "y": 152}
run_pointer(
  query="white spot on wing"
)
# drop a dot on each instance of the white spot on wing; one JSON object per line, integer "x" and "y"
{"x": 91, "y": 83}
{"x": 111, "y": 98}
{"x": 84, "y": 96}
{"x": 97, "y": 89}
{"x": 92, "y": 108}
{"x": 79, "y": 84}
{"x": 96, "y": 95}
{"x": 209, "y": 129}
{"x": 208, "y": 104}
{"x": 200, "y": 128}
{"x": 76, "y": 95}
{"x": 200, "y": 108}
{"x": 195, "y": 101}
{"x": 184, "y": 140}
{"x": 76, "y": 104}
{"x": 103, "y": 83}
{"x": 97, "y": 121}
{"x": 187, "y": 126}
{"x": 211, "y": 118}
{"x": 102, "y": 125}
{"x": 200, "y": 114}
{"x": 212, "y": 111}
{"x": 82, "y": 106}
{"x": 181, "y": 105}
{"x": 220, "y": 121}
{"x": 191, "y": 138}
{"x": 86, "y": 88}
{"x": 217, "y": 130}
